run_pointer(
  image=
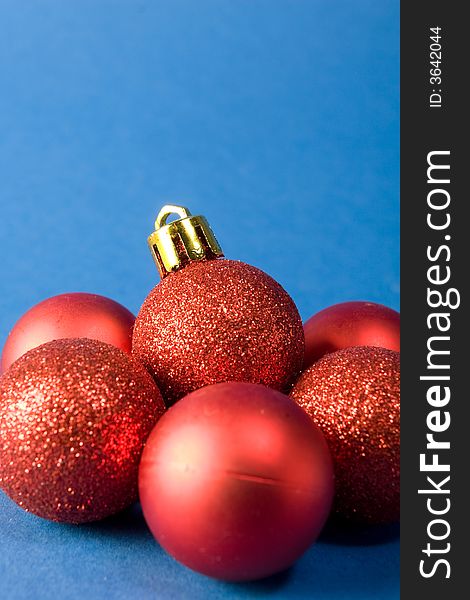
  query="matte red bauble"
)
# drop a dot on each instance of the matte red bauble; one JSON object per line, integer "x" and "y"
{"x": 74, "y": 416}
{"x": 212, "y": 320}
{"x": 353, "y": 395}
{"x": 236, "y": 481}
{"x": 350, "y": 324}
{"x": 76, "y": 315}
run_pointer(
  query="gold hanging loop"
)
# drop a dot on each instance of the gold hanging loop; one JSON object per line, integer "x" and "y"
{"x": 175, "y": 244}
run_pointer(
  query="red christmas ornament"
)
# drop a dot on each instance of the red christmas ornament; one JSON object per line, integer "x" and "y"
{"x": 236, "y": 481}
{"x": 353, "y": 395}
{"x": 75, "y": 315}
{"x": 350, "y": 324}
{"x": 212, "y": 320}
{"x": 74, "y": 416}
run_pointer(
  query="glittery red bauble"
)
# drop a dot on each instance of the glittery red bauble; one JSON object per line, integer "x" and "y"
{"x": 354, "y": 397}
{"x": 236, "y": 481}
{"x": 74, "y": 416}
{"x": 75, "y": 315}
{"x": 218, "y": 320}
{"x": 350, "y": 324}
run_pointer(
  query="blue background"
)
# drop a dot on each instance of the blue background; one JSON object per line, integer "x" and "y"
{"x": 278, "y": 121}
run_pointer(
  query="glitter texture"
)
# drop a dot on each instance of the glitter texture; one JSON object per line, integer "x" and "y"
{"x": 74, "y": 417}
{"x": 354, "y": 396}
{"x": 215, "y": 321}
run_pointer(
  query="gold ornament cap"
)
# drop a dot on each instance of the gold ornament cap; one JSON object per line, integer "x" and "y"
{"x": 176, "y": 244}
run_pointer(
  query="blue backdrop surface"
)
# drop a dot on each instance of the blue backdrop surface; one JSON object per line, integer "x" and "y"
{"x": 278, "y": 120}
